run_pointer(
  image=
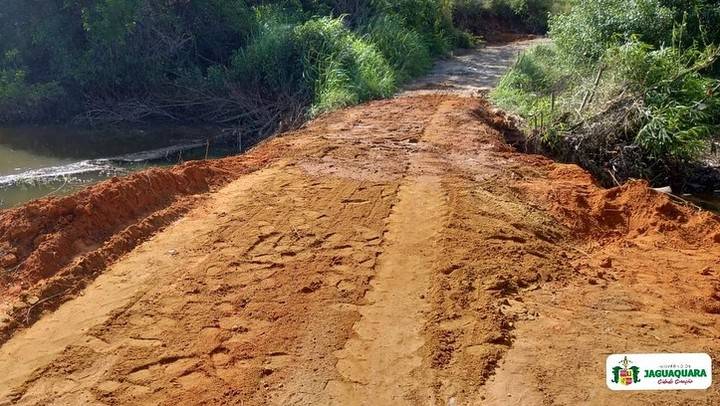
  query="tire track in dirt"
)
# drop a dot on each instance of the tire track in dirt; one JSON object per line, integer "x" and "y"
{"x": 118, "y": 289}
{"x": 52, "y": 248}
{"x": 381, "y": 363}
{"x": 236, "y": 321}
{"x": 270, "y": 297}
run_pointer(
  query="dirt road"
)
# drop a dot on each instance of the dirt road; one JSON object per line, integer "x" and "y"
{"x": 471, "y": 72}
{"x": 398, "y": 252}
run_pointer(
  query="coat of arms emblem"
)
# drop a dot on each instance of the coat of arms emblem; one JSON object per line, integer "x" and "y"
{"x": 625, "y": 375}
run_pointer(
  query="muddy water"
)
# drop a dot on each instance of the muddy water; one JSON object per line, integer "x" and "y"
{"x": 43, "y": 161}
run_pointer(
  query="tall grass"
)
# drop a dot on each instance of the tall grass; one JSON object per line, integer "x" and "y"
{"x": 343, "y": 68}
{"x": 630, "y": 84}
{"x": 404, "y": 48}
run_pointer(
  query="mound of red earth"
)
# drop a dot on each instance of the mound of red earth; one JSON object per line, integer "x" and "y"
{"x": 51, "y": 247}
{"x": 631, "y": 210}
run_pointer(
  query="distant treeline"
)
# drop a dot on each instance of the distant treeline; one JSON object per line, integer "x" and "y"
{"x": 221, "y": 61}
{"x": 260, "y": 65}
{"x": 489, "y": 17}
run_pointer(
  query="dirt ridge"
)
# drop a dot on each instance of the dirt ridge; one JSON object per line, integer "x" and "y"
{"x": 53, "y": 247}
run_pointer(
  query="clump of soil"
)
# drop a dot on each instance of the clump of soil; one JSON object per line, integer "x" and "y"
{"x": 631, "y": 210}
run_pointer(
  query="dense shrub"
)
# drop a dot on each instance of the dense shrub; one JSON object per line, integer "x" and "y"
{"x": 432, "y": 19}
{"x": 525, "y": 15}
{"x": 404, "y": 48}
{"x": 680, "y": 111}
{"x": 344, "y": 68}
{"x": 139, "y": 60}
{"x": 269, "y": 61}
{"x": 21, "y": 101}
{"x": 627, "y": 87}
{"x": 593, "y": 26}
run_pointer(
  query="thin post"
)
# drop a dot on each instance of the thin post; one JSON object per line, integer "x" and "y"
{"x": 591, "y": 93}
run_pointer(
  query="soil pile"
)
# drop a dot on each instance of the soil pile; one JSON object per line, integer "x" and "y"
{"x": 628, "y": 211}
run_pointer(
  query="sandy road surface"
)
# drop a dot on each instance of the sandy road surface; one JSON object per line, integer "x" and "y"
{"x": 471, "y": 72}
{"x": 397, "y": 252}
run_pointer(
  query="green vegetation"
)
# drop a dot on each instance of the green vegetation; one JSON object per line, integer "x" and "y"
{"x": 238, "y": 62}
{"x": 484, "y": 17}
{"x": 257, "y": 65}
{"x": 628, "y": 89}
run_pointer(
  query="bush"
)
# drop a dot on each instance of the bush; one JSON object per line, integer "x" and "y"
{"x": 633, "y": 87}
{"x": 20, "y": 101}
{"x": 343, "y": 68}
{"x": 680, "y": 109}
{"x": 404, "y": 48}
{"x": 270, "y": 61}
{"x": 113, "y": 58}
{"x": 432, "y": 19}
{"x": 593, "y": 26}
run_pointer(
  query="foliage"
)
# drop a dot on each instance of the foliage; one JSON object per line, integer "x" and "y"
{"x": 430, "y": 18}
{"x": 592, "y": 26}
{"x": 404, "y": 48}
{"x": 680, "y": 109}
{"x": 268, "y": 62}
{"x": 630, "y": 84}
{"x": 531, "y": 15}
{"x": 344, "y": 68}
{"x": 173, "y": 60}
{"x": 21, "y": 101}
{"x": 527, "y": 87}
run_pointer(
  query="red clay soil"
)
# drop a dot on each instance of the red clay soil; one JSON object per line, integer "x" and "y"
{"x": 51, "y": 247}
{"x": 397, "y": 252}
{"x": 629, "y": 211}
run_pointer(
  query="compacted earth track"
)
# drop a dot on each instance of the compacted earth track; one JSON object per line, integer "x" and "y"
{"x": 397, "y": 252}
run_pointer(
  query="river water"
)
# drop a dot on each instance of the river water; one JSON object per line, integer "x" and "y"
{"x": 50, "y": 161}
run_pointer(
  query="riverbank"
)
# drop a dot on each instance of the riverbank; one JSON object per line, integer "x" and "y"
{"x": 40, "y": 162}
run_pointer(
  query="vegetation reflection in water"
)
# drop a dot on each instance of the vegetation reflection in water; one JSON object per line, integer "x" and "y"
{"x": 37, "y": 162}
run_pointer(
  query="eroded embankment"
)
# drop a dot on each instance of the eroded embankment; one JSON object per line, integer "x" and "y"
{"x": 51, "y": 248}
{"x": 644, "y": 276}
